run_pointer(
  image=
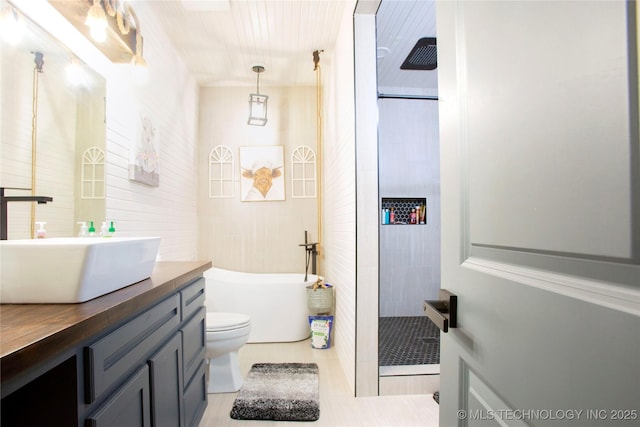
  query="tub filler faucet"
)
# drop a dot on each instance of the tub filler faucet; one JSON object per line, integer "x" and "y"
{"x": 312, "y": 252}
{"x": 6, "y": 199}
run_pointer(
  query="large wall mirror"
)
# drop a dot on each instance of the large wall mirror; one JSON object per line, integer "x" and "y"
{"x": 55, "y": 114}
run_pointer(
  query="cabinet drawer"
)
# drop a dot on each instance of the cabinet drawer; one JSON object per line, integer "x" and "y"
{"x": 194, "y": 343}
{"x": 195, "y": 397}
{"x": 129, "y": 405}
{"x": 192, "y": 298}
{"x": 114, "y": 356}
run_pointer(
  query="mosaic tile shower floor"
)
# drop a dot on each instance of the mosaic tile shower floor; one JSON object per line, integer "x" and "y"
{"x": 408, "y": 341}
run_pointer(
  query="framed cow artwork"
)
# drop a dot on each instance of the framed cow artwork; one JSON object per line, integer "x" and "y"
{"x": 262, "y": 173}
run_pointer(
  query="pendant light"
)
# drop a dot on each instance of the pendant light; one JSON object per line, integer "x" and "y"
{"x": 257, "y": 102}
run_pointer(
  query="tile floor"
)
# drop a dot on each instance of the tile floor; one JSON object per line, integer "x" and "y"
{"x": 411, "y": 340}
{"x": 338, "y": 407}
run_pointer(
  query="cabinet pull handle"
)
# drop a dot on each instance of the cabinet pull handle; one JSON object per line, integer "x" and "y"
{"x": 443, "y": 312}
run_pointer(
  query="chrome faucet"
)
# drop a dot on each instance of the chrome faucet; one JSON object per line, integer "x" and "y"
{"x": 6, "y": 199}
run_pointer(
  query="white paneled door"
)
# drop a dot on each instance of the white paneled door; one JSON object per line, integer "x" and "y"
{"x": 540, "y": 164}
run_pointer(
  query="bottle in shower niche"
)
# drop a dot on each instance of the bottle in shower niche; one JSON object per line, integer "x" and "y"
{"x": 392, "y": 215}
{"x": 412, "y": 216}
{"x": 423, "y": 214}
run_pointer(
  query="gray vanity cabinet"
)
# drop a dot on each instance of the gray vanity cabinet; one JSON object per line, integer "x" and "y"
{"x": 164, "y": 347}
{"x": 130, "y": 358}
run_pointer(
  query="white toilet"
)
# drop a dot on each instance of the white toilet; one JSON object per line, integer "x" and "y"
{"x": 226, "y": 333}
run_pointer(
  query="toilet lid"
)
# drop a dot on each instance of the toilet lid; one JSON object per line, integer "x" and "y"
{"x": 218, "y": 321}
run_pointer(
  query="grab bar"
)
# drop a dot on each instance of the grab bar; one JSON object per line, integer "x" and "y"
{"x": 443, "y": 312}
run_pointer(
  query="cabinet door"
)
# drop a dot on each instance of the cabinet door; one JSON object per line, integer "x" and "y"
{"x": 166, "y": 384}
{"x": 128, "y": 406}
{"x": 194, "y": 343}
{"x": 195, "y": 396}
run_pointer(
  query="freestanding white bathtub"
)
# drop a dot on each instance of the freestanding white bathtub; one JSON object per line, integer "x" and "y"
{"x": 277, "y": 303}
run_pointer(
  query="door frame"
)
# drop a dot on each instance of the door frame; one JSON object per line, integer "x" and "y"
{"x": 367, "y": 238}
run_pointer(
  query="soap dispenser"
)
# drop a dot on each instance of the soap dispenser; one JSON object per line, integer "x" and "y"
{"x": 107, "y": 230}
{"x": 41, "y": 233}
{"x": 84, "y": 230}
{"x": 92, "y": 230}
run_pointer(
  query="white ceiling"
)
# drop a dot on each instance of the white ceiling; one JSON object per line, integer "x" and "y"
{"x": 221, "y": 47}
{"x": 221, "y": 40}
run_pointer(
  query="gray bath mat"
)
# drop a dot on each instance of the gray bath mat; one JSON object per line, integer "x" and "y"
{"x": 280, "y": 392}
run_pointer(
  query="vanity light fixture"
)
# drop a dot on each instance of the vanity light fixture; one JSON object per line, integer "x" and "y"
{"x": 97, "y": 22}
{"x": 123, "y": 17}
{"x": 257, "y": 102}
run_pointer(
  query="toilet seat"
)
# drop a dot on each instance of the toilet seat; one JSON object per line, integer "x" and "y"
{"x": 219, "y": 321}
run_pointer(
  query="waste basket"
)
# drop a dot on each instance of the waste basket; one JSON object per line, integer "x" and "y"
{"x": 320, "y": 300}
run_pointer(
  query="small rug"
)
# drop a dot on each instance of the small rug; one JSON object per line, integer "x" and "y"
{"x": 279, "y": 392}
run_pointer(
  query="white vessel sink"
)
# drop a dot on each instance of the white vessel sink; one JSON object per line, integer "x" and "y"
{"x": 72, "y": 270}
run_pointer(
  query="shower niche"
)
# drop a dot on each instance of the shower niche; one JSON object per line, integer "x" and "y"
{"x": 406, "y": 211}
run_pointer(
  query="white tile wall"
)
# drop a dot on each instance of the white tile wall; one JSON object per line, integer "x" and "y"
{"x": 339, "y": 204}
{"x": 409, "y": 167}
{"x": 170, "y": 97}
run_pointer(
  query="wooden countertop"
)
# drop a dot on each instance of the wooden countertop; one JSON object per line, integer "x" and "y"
{"x": 31, "y": 334}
